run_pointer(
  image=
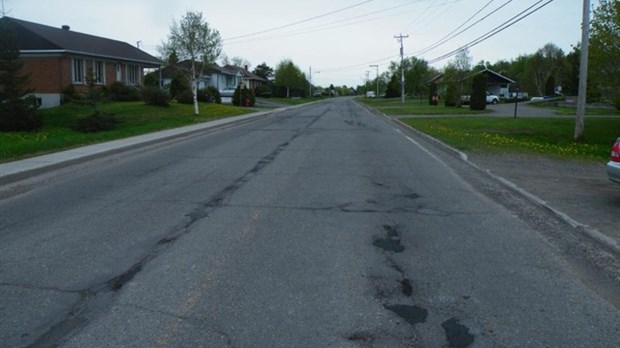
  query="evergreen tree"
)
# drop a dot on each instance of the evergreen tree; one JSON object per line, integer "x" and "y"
{"x": 478, "y": 100}
{"x": 16, "y": 103}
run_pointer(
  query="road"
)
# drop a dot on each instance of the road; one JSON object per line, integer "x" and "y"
{"x": 324, "y": 226}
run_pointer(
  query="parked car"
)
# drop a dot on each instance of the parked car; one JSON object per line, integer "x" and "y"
{"x": 370, "y": 94}
{"x": 613, "y": 166}
{"x": 227, "y": 92}
{"x": 490, "y": 99}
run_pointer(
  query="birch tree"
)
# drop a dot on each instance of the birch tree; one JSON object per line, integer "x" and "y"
{"x": 193, "y": 40}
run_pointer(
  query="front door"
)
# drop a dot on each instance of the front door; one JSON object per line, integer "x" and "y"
{"x": 119, "y": 73}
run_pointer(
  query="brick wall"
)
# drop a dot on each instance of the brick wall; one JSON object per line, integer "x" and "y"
{"x": 48, "y": 74}
{"x": 53, "y": 74}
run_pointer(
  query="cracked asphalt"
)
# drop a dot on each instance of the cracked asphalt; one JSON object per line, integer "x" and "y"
{"x": 320, "y": 226}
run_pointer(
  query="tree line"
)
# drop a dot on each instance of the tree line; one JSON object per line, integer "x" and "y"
{"x": 547, "y": 72}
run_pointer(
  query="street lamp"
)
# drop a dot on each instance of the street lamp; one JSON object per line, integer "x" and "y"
{"x": 376, "y": 66}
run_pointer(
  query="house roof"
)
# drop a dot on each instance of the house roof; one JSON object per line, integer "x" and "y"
{"x": 245, "y": 72}
{"x": 168, "y": 72}
{"x": 495, "y": 76}
{"x": 34, "y": 38}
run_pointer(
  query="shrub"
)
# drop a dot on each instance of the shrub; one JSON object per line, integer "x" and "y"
{"x": 185, "y": 97}
{"x": 478, "y": 98}
{"x": 20, "y": 116}
{"x": 550, "y": 86}
{"x": 214, "y": 95}
{"x": 154, "y": 96}
{"x": 69, "y": 94}
{"x": 96, "y": 122}
{"x": 243, "y": 97}
{"x": 263, "y": 91}
{"x": 178, "y": 86}
{"x": 120, "y": 92}
{"x": 452, "y": 98}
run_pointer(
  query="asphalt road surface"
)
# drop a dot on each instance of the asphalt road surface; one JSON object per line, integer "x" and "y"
{"x": 324, "y": 226}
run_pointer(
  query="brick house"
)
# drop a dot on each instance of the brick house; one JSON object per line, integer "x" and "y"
{"x": 58, "y": 57}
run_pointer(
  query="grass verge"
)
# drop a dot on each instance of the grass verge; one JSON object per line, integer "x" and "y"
{"x": 540, "y": 136}
{"x": 292, "y": 101}
{"x": 135, "y": 118}
{"x": 416, "y": 106}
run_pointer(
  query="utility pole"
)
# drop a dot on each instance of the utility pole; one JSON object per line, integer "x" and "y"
{"x": 376, "y": 66}
{"x": 402, "y": 67}
{"x": 583, "y": 71}
{"x": 367, "y": 81}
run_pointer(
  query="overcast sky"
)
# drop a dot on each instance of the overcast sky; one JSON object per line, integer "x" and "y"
{"x": 337, "y": 38}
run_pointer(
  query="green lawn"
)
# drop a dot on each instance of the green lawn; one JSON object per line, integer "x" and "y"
{"x": 292, "y": 101}
{"x": 135, "y": 118}
{"x": 544, "y": 136}
{"x": 416, "y": 106}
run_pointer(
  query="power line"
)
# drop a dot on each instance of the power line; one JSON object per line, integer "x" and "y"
{"x": 507, "y": 24}
{"x": 330, "y": 25}
{"x": 450, "y": 35}
{"x": 300, "y": 22}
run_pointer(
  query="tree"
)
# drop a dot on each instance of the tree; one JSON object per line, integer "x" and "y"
{"x": 264, "y": 71}
{"x": 455, "y": 74}
{"x": 570, "y": 72}
{"x": 393, "y": 86}
{"x": 478, "y": 98}
{"x": 16, "y": 103}
{"x": 550, "y": 85}
{"x": 545, "y": 62}
{"x": 194, "y": 40}
{"x": 288, "y": 75}
{"x": 605, "y": 48}
{"x": 236, "y": 61}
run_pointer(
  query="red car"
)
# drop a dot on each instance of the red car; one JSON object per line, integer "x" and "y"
{"x": 613, "y": 166}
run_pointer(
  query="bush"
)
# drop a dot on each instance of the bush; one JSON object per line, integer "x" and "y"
{"x": 451, "y": 98}
{"x": 20, "y": 116}
{"x": 205, "y": 95}
{"x": 214, "y": 95}
{"x": 96, "y": 122}
{"x": 263, "y": 91}
{"x": 154, "y": 96}
{"x": 617, "y": 102}
{"x": 69, "y": 94}
{"x": 178, "y": 86}
{"x": 185, "y": 97}
{"x": 120, "y": 92}
{"x": 243, "y": 97}
{"x": 478, "y": 98}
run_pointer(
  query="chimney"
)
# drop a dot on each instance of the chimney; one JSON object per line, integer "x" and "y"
{"x": 66, "y": 27}
{"x": 246, "y": 67}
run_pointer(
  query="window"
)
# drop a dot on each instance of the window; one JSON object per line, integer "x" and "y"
{"x": 133, "y": 77}
{"x": 99, "y": 72}
{"x": 77, "y": 70}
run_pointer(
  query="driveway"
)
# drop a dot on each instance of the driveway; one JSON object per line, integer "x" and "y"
{"x": 523, "y": 110}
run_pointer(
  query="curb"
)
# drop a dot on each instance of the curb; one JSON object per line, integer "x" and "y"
{"x": 586, "y": 230}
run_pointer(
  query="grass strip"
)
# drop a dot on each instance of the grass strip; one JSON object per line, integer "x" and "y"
{"x": 135, "y": 118}
{"x": 541, "y": 136}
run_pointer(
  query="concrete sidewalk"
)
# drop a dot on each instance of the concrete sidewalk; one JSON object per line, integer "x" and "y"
{"x": 18, "y": 170}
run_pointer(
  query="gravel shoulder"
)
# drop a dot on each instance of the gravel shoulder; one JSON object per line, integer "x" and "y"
{"x": 576, "y": 188}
